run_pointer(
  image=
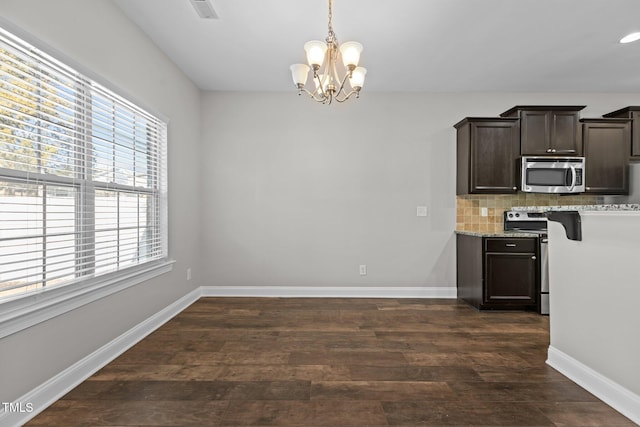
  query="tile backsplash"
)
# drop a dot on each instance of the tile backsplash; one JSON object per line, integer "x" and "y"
{"x": 469, "y": 208}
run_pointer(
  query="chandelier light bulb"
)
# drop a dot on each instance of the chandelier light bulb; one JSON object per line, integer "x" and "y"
{"x": 316, "y": 51}
{"x": 350, "y": 54}
{"x": 299, "y": 72}
{"x": 357, "y": 78}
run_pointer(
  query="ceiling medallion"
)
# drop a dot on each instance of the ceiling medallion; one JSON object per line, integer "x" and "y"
{"x": 322, "y": 58}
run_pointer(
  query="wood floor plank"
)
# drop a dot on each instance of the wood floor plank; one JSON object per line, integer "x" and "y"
{"x": 381, "y": 390}
{"x": 335, "y": 362}
{"x": 312, "y": 413}
{"x": 463, "y": 413}
{"x": 132, "y": 413}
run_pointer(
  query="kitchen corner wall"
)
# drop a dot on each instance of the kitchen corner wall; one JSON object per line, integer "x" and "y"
{"x": 469, "y": 208}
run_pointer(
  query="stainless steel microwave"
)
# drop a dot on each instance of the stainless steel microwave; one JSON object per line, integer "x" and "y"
{"x": 559, "y": 175}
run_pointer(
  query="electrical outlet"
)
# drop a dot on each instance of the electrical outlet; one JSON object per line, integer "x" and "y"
{"x": 484, "y": 212}
{"x": 421, "y": 211}
{"x": 363, "y": 269}
{"x": 189, "y": 273}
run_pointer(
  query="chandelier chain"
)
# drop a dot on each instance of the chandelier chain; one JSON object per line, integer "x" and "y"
{"x": 332, "y": 35}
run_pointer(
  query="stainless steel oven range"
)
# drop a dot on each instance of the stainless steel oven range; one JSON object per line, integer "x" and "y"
{"x": 533, "y": 223}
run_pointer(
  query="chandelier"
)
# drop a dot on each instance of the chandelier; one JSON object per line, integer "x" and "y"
{"x": 322, "y": 58}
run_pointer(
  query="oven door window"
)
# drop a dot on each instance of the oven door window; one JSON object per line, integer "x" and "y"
{"x": 548, "y": 177}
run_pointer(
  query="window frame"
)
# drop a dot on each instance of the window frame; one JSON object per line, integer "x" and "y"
{"x": 26, "y": 310}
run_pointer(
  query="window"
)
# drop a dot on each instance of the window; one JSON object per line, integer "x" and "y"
{"x": 82, "y": 176}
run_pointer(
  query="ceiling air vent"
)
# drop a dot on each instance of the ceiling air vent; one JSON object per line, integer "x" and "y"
{"x": 204, "y": 9}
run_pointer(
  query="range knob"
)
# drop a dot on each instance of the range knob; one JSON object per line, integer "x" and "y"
{"x": 517, "y": 215}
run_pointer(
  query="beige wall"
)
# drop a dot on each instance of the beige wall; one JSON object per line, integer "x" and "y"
{"x": 301, "y": 194}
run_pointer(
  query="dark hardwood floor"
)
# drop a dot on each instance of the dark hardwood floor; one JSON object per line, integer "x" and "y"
{"x": 335, "y": 362}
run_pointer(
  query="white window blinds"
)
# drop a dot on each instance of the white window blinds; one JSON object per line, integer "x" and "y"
{"x": 82, "y": 176}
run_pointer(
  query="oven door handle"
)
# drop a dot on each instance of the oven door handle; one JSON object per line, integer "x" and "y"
{"x": 574, "y": 177}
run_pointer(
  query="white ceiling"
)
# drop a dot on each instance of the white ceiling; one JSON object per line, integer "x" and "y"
{"x": 409, "y": 45}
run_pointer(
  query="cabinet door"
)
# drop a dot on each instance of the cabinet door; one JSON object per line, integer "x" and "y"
{"x": 534, "y": 133}
{"x": 494, "y": 150}
{"x": 606, "y": 150}
{"x": 633, "y": 113}
{"x": 635, "y": 136}
{"x": 550, "y": 133}
{"x": 510, "y": 279}
{"x": 565, "y": 129}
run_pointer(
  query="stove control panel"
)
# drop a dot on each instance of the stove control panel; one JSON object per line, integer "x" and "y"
{"x": 524, "y": 216}
{"x": 525, "y": 221}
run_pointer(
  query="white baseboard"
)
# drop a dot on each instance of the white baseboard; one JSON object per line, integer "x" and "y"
{"x": 610, "y": 392}
{"x": 329, "y": 292}
{"x": 47, "y": 393}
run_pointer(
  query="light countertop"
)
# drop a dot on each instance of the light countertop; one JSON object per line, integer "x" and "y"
{"x": 496, "y": 234}
{"x": 580, "y": 208}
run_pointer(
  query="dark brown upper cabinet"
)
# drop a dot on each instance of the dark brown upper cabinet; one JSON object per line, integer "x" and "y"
{"x": 487, "y": 151}
{"x": 632, "y": 113}
{"x": 548, "y": 130}
{"x": 606, "y": 144}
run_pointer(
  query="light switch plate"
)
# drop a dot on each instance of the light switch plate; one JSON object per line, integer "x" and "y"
{"x": 421, "y": 211}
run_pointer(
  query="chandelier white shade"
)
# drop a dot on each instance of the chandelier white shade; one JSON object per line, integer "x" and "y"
{"x": 316, "y": 51}
{"x": 350, "y": 54}
{"x": 322, "y": 60}
{"x": 300, "y": 72}
{"x": 357, "y": 78}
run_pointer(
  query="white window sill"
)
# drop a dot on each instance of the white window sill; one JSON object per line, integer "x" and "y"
{"x": 37, "y": 307}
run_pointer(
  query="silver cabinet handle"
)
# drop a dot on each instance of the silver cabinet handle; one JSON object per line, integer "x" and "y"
{"x": 533, "y": 257}
{"x": 510, "y": 245}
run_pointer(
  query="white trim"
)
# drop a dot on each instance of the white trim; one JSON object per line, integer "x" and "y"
{"x": 613, "y": 394}
{"x": 41, "y": 306}
{"x": 329, "y": 292}
{"x": 56, "y": 387}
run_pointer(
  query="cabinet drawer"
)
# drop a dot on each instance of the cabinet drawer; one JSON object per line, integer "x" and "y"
{"x": 510, "y": 245}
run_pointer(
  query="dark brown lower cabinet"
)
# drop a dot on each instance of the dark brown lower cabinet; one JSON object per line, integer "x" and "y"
{"x": 498, "y": 273}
